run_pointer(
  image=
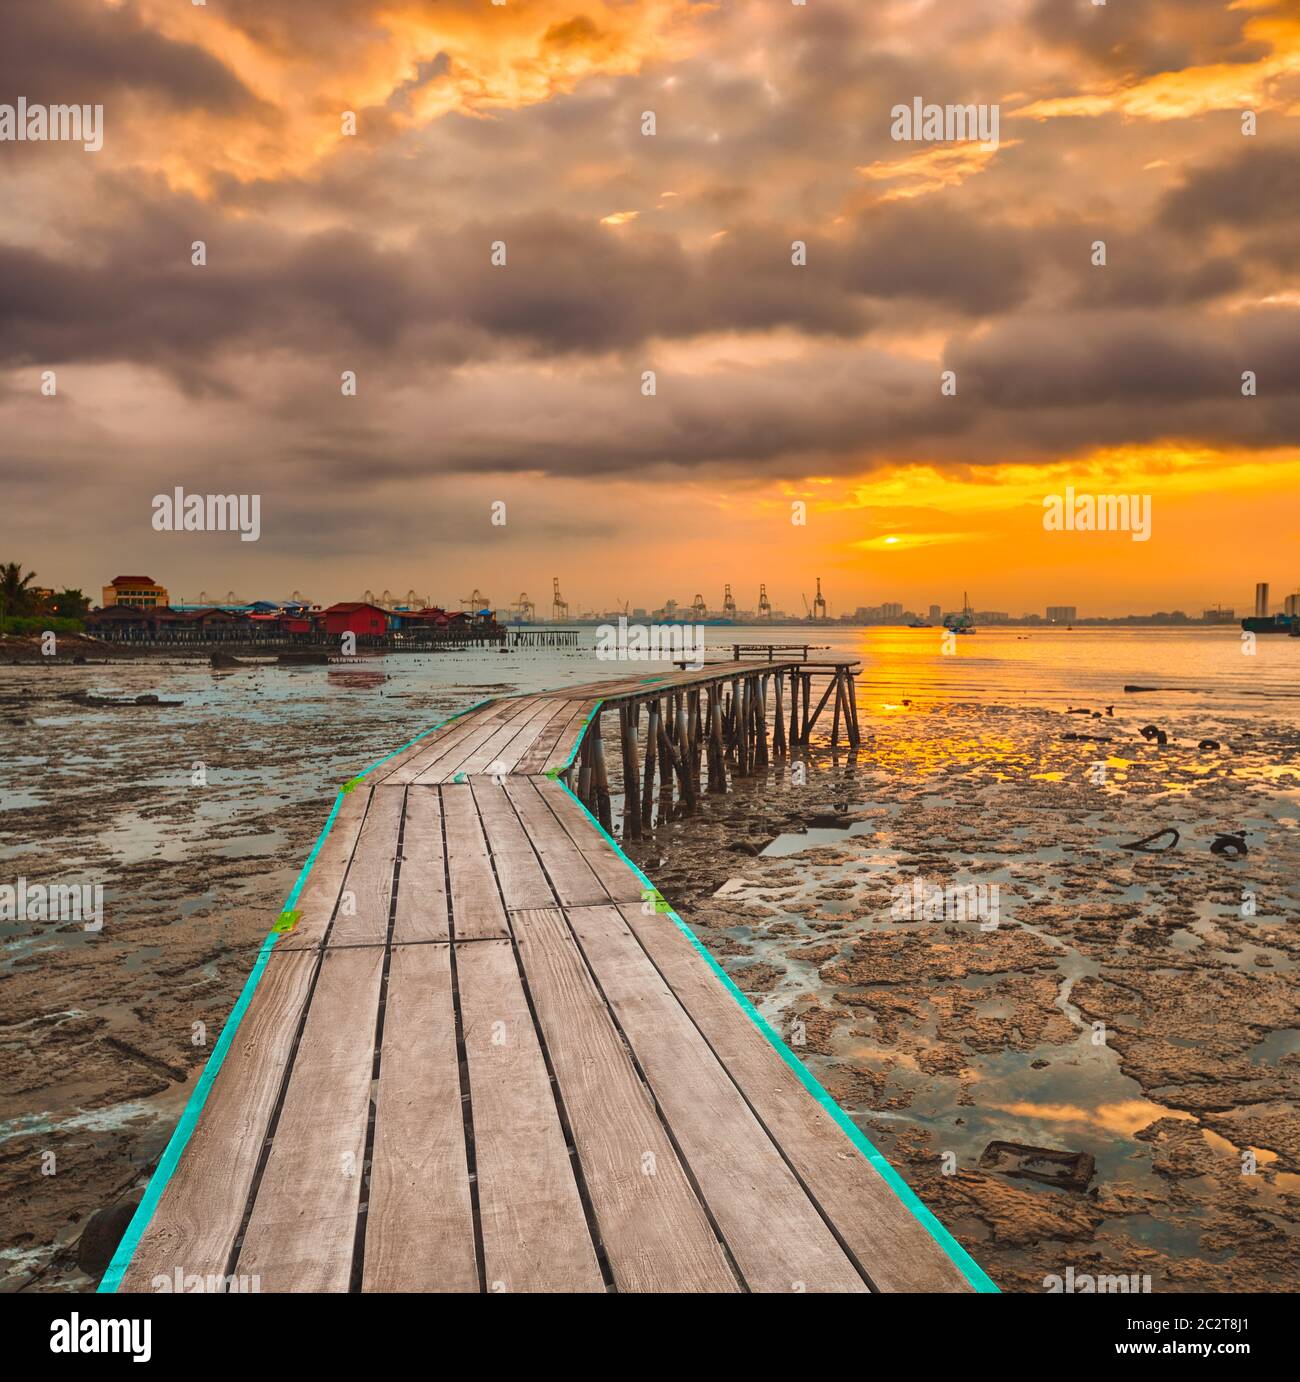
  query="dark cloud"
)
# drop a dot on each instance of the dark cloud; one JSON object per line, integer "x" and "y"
{"x": 82, "y": 51}
{"x": 1142, "y": 37}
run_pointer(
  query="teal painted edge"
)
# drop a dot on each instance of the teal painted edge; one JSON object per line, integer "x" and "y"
{"x": 960, "y": 1258}
{"x": 184, "y": 1129}
{"x": 573, "y": 753}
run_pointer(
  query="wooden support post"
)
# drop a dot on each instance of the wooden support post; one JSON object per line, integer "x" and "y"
{"x": 584, "y": 765}
{"x": 762, "y": 721}
{"x": 600, "y": 778}
{"x": 718, "y": 749}
{"x": 629, "y": 717}
{"x": 742, "y": 731}
{"x": 684, "y": 754}
{"x": 826, "y": 695}
{"x": 651, "y": 750}
{"x": 839, "y": 701}
{"x": 807, "y": 696}
{"x": 794, "y": 707}
{"x": 855, "y": 733}
{"x": 778, "y": 723}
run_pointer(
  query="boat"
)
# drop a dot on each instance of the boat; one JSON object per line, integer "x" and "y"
{"x": 963, "y": 622}
{"x": 919, "y": 624}
{"x": 1270, "y": 623}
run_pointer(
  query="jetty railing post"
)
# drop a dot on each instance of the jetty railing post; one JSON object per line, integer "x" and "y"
{"x": 651, "y": 751}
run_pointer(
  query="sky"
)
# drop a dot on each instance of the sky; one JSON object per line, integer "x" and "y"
{"x": 799, "y": 426}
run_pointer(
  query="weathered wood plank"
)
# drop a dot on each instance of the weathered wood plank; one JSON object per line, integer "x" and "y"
{"x": 520, "y": 875}
{"x": 420, "y": 1223}
{"x": 877, "y": 1228}
{"x": 476, "y": 908}
{"x": 482, "y": 728}
{"x": 366, "y": 899}
{"x": 733, "y": 1160}
{"x": 303, "y": 1226}
{"x": 320, "y": 892}
{"x": 554, "y": 745}
{"x": 436, "y": 745}
{"x": 611, "y": 870}
{"x": 422, "y": 891}
{"x": 655, "y": 1232}
{"x": 571, "y": 876}
{"x": 535, "y": 1235}
{"x": 200, "y": 1212}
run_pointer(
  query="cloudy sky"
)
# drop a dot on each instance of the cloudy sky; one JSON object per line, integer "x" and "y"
{"x": 523, "y": 123}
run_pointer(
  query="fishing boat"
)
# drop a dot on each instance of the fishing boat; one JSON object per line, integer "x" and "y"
{"x": 963, "y": 622}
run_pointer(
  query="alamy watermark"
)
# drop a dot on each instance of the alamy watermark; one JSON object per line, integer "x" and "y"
{"x": 923, "y": 901}
{"x": 37, "y": 124}
{"x": 626, "y": 642}
{"x": 179, "y": 512}
{"x": 83, "y": 902}
{"x": 934, "y": 124}
{"x": 1084, "y": 1283}
{"x": 1098, "y": 513}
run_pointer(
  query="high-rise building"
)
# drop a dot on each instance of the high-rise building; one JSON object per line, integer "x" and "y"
{"x": 1062, "y": 614}
{"x": 936, "y": 614}
{"x": 1291, "y": 605}
{"x": 1261, "y": 600}
{"x": 891, "y": 609}
{"x": 1220, "y": 615}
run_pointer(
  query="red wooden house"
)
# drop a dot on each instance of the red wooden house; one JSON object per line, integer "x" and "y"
{"x": 355, "y": 617}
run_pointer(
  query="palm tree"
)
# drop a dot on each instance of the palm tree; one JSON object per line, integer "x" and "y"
{"x": 15, "y": 597}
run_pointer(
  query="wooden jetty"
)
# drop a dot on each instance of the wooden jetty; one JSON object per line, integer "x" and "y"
{"x": 482, "y": 1055}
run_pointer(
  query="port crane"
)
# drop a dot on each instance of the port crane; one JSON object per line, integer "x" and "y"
{"x": 524, "y": 610}
{"x": 819, "y": 603}
{"x": 728, "y": 604}
{"x": 474, "y": 603}
{"x": 698, "y": 608}
{"x": 559, "y": 605}
{"x": 764, "y": 604}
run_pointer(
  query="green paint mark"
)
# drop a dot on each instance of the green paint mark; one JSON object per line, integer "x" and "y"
{"x": 351, "y": 786}
{"x": 655, "y": 896}
{"x": 287, "y": 921}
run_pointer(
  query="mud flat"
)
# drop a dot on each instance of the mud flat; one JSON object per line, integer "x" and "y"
{"x": 938, "y": 1036}
{"x": 102, "y": 1034}
{"x": 1142, "y": 1009}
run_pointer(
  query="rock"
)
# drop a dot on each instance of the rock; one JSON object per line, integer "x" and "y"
{"x": 102, "y": 1234}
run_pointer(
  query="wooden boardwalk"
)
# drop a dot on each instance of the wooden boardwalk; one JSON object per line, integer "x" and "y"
{"x": 484, "y": 1059}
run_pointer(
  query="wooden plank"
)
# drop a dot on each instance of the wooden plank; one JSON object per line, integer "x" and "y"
{"x": 564, "y": 729}
{"x": 476, "y": 908}
{"x": 733, "y": 1160}
{"x": 202, "y": 1208}
{"x": 611, "y": 870}
{"x": 503, "y": 751}
{"x": 420, "y": 1222}
{"x": 303, "y": 1226}
{"x": 895, "y": 1250}
{"x": 440, "y": 741}
{"x": 444, "y": 765}
{"x": 562, "y": 751}
{"x": 535, "y": 1235}
{"x": 570, "y": 875}
{"x": 520, "y": 876}
{"x": 324, "y": 882}
{"x": 654, "y": 1230}
{"x": 422, "y": 886}
{"x": 366, "y": 899}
